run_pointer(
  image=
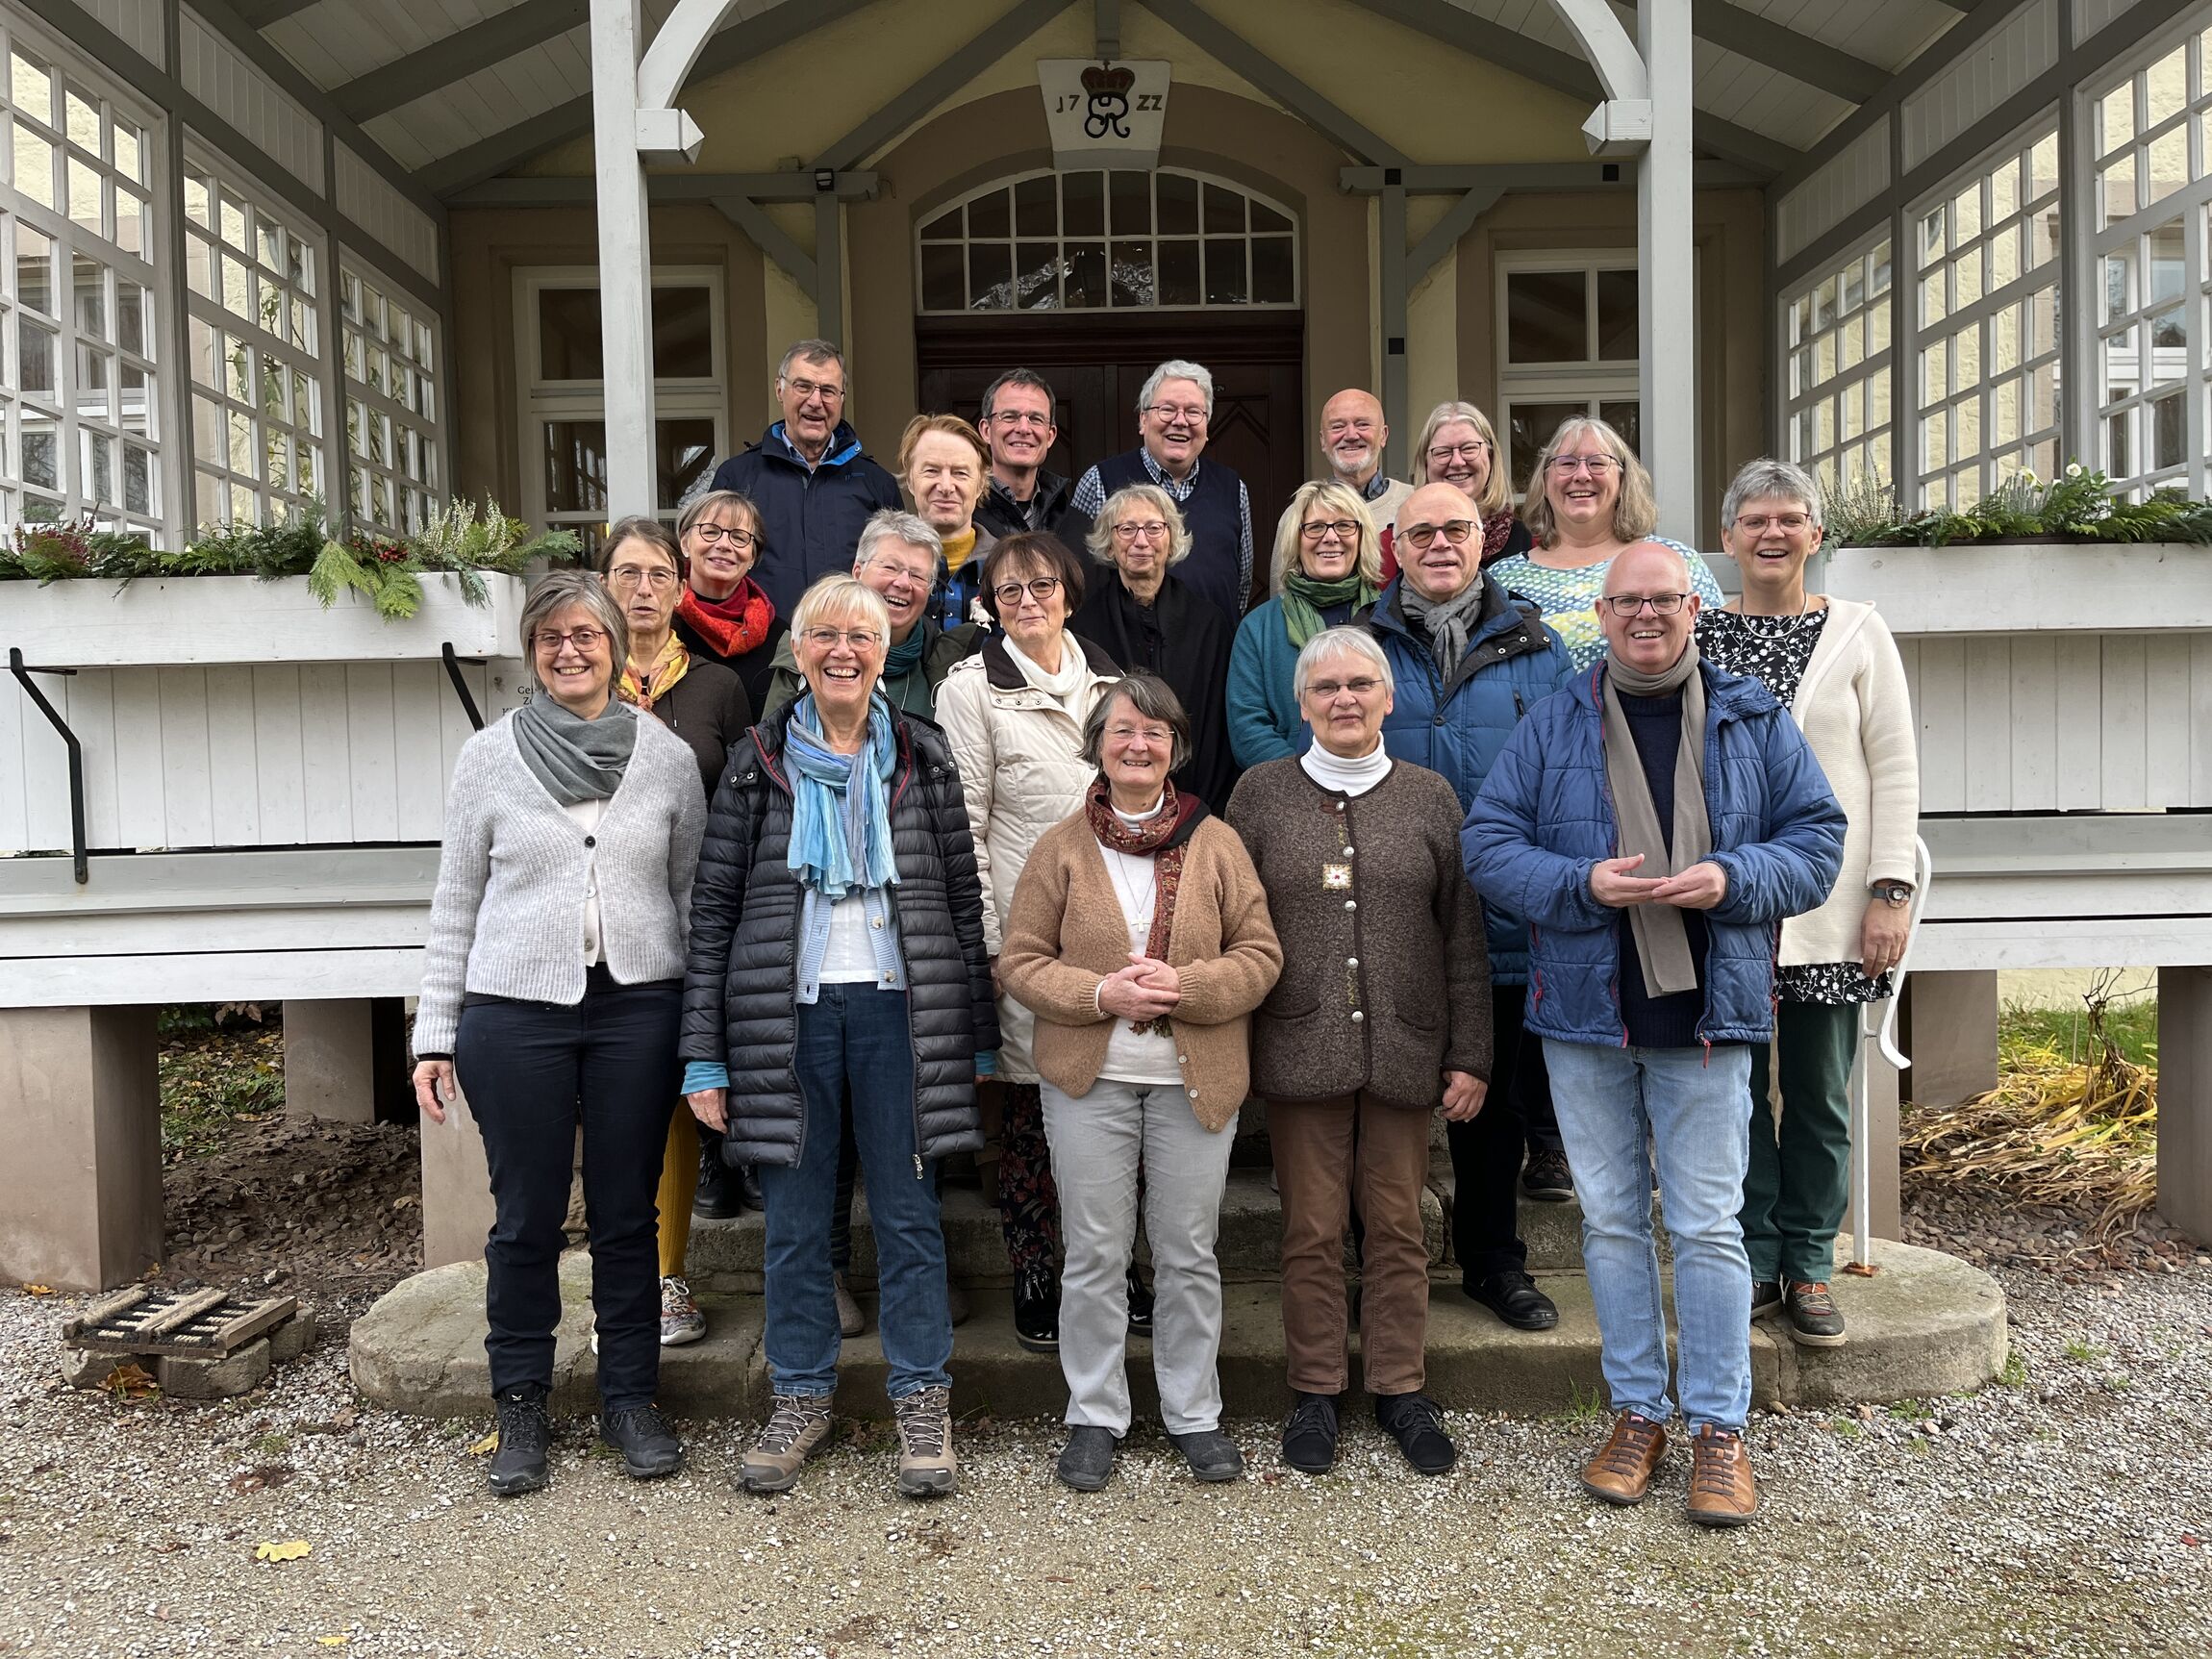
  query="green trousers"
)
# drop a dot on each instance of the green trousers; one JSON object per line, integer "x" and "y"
{"x": 1800, "y": 1178}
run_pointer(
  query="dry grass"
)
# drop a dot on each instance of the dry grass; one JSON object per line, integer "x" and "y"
{"x": 2072, "y": 1124}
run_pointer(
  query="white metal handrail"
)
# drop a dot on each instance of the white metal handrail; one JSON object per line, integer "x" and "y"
{"x": 1884, "y": 1033}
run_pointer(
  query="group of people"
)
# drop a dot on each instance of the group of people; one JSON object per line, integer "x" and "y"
{"x": 843, "y": 822}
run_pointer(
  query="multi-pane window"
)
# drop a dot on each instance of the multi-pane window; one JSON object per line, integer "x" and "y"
{"x": 1570, "y": 330}
{"x": 1167, "y": 239}
{"x": 561, "y": 352}
{"x": 1986, "y": 362}
{"x": 391, "y": 403}
{"x": 2151, "y": 195}
{"x": 252, "y": 341}
{"x": 79, "y": 417}
{"x": 1838, "y": 363}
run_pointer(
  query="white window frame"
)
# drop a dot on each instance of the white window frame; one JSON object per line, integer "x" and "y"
{"x": 1923, "y": 485}
{"x": 1591, "y": 380}
{"x": 412, "y": 500}
{"x": 75, "y": 431}
{"x": 265, "y": 501}
{"x": 1818, "y": 381}
{"x": 2192, "y": 205}
{"x": 544, "y": 401}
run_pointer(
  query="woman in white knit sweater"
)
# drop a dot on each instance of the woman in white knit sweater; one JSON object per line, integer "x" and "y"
{"x": 552, "y": 987}
{"x": 1835, "y": 667}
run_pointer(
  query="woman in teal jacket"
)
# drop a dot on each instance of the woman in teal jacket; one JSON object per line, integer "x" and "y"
{"x": 1327, "y": 568}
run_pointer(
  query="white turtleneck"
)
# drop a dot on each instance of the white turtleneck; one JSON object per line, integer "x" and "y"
{"x": 1132, "y": 1056}
{"x": 1352, "y": 777}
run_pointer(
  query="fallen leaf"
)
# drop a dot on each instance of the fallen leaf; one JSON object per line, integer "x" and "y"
{"x": 290, "y": 1549}
{"x": 334, "y": 1640}
{"x": 260, "y": 1479}
{"x": 130, "y": 1380}
{"x": 37, "y": 1290}
{"x": 489, "y": 1444}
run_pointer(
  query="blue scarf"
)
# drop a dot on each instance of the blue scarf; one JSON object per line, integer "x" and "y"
{"x": 841, "y": 820}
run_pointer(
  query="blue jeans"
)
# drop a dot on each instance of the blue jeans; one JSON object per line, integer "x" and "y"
{"x": 854, "y": 1042}
{"x": 1695, "y": 1104}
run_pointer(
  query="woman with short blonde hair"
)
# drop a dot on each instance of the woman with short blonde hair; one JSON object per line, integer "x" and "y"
{"x": 722, "y": 614}
{"x": 1459, "y": 446}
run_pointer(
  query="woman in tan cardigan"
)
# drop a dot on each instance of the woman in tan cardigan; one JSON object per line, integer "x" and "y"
{"x": 1140, "y": 937}
{"x": 1833, "y": 664}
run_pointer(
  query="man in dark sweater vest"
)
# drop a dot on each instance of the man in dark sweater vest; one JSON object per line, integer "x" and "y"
{"x": 1173, "y": 412}
{"x": 1682, "y": 819}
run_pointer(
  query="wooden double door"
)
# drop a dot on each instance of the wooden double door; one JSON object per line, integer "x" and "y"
{"x": 1098, "y": 366}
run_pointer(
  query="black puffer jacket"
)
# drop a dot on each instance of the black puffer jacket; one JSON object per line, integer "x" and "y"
{"x": 738, "y": 995}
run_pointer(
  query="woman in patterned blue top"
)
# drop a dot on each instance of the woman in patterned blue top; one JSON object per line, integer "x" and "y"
{"x": 1589, "y": 499}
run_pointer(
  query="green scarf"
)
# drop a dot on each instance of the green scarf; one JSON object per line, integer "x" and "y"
{"x": 1304, "y": 599}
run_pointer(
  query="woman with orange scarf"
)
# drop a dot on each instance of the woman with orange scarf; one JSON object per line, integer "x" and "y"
{"x": 706, "y": 705}
{"x": 722, "y": 614}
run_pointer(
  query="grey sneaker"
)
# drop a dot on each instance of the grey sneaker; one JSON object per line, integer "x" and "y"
{"x": 798, "y": 1424}
{"x": 1213, "y": 1456}
{"x": 1814, "y": 1320}
{"x": 681, "y": 1320}
{"x": 850, "y": 1321}
{"x": 927, "y": 1465}
{"x": 1086, "y": 1459}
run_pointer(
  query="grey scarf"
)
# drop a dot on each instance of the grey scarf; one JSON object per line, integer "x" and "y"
{"x": 576, "y": 760}
{"x": 1451, "y": 622}
{"x": 1662, "y": 944}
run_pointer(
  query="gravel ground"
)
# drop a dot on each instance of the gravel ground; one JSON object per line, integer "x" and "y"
{"x": 2067, "y": 1512}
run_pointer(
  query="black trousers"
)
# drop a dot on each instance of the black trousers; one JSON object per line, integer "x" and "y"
{"x": 532, "y": 1072}
{"x": 1487, "y": 1151}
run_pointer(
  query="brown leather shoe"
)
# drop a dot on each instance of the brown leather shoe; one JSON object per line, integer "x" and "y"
{"x": 1621, "y": 1470}
{"x": 1722, "y": 1490}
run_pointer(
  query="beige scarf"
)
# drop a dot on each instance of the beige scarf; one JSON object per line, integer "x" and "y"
{"x": 1662, "y": 942}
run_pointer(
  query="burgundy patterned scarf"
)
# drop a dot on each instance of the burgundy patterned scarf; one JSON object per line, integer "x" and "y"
{"x": 1148, "y": 841}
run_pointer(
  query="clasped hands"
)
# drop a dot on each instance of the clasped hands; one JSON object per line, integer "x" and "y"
{"x": 1142, "y": 992}
{"x": 1700, "y": 887}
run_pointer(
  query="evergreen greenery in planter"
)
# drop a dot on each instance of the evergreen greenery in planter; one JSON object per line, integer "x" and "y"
{"x": 463, "y": 541}
{"x": 2077, "y": 506}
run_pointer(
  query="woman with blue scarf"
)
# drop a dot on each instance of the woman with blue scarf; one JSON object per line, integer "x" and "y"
{"x": 836, "y": 953}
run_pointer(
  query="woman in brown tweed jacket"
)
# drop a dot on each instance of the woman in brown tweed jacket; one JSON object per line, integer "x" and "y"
{"x": 1382, "y": 1015}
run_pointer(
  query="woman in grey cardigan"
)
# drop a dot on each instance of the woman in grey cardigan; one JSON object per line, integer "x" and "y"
{"x": 552, "y": 985}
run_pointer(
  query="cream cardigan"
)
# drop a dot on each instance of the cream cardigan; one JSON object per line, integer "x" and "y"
{"x": 1857, "y": 715}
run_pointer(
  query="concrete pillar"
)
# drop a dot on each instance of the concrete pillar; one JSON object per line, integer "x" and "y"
{"x": 2185, "y": 1100}
{"x": 330, "y": 1061}
{"x": 1949, "y": 1030}
{"x": 455, "y": 1188}
{"x": 80, "y": 1117}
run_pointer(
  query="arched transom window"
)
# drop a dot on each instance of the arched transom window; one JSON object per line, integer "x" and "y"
{"x": 1108, "y": 242}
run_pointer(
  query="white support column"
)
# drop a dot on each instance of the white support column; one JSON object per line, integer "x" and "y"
{"x": 1666, "y": 297}
{"x": 625, "y": 256}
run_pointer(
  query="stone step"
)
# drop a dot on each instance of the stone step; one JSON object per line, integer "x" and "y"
{"x": 1925, "y": 1324}
{"x": 725, "y": 1256}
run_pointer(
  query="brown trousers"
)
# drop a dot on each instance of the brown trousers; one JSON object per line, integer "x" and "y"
{"x": 1324, "y": 1150}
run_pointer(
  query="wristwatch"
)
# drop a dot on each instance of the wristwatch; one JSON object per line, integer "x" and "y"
{"x": 1897, "y": 894}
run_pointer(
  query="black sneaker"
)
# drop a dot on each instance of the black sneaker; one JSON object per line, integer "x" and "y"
{"x": 1416, "y": 1424}
{"x": 717, "y": 1198}
{"x": 1086, "y": 1459}
{"x": 1513, "y": 1296}
{"x": 1545, "y": 1177}
{"x": 1140, "y": 1304}
{"x": 518, "y": 1464}
{"x": 1765, "y": 1297}
{"x": 650, "y": 1448}
{"x": 1213, "y": 1456}
{"x": 1037, "y": 1311}
{"x": 1309, "y": 1437}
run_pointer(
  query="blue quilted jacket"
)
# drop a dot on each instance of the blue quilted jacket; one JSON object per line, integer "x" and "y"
{"x": 1544, "y": 816}
{"x": 1456, "y": 725}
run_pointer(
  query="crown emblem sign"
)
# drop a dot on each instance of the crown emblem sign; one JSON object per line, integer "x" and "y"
{"x": 1110, "y": 81}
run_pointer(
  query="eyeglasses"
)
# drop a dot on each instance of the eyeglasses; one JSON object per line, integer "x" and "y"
{"x": 585, "y": 640}
{"x": 1150, "y": 530}
{"x": 1122, "y": 734}
{"x": 1167, "y": 413}
{"x": 1662, "y": 604}
{"x": 1018, "y": 417}
{"x": 911, "y": 575}
{"x": 710, "y": 534}
{"x": 830, "y": 639}
{"x": 1759, "y": 523}
{"x": 1421, "y": 537}
{"x": 1038, "y": 588}
{"x": 1328, "y": 691}
{"x": 1474, "y": 450}
{"x": 807, "y": 389}
{"x": 1597, "y": 466}
{"x": 632, "y": 575}
{"x": 1344, "y": 529}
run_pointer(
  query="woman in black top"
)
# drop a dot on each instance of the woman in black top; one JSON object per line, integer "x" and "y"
{"x": 721, "y": 612}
